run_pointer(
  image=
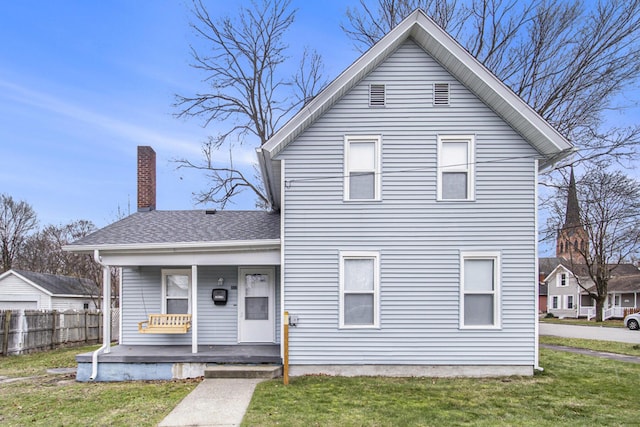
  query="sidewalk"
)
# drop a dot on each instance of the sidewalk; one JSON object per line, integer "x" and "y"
{"x": 602, "y": 354}
{"x": 215, "y": 402}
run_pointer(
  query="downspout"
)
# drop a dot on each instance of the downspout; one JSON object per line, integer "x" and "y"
{"x": 536, "y": 308}
{"x": 106, "y": 315}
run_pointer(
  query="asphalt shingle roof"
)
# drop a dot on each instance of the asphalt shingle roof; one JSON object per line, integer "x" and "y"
{"x": 60, "y": 285}
{"x": 186, "y": 227}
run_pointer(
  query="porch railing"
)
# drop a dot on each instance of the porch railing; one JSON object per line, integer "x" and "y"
{"x": 608, "y": 313}
{"x": 588, "y": 312}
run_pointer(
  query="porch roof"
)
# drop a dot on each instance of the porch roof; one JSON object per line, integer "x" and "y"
{"x": 187, "y": 228}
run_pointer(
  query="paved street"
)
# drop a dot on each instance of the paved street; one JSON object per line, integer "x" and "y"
{"x": 590, "y": 332}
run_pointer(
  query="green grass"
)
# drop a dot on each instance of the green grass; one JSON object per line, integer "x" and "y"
{"x": 58, "y": 400}
{"x": 606, "y": 346}
{"x": 573, "y": 390}
{"x": 610, "y": 323}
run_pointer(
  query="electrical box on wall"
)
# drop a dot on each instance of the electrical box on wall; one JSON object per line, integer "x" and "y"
{"x": 219, "y": 296}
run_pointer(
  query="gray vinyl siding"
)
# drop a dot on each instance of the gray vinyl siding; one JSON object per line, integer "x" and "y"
{"x": 418, "y": 238}
{"x": 217, "y": 324}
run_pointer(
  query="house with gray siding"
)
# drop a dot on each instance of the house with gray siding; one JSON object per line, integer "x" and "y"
{"x": 401, "y": 240}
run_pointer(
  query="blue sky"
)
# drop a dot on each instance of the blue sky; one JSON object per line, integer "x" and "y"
{"x": 82, "y": 83}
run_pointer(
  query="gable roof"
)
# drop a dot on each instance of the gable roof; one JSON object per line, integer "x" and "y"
{"x": 550, "y": 265}
{"x": 188, "y": 228}
{"x": 55, "y": 285}
{"x": 456, "y": 60}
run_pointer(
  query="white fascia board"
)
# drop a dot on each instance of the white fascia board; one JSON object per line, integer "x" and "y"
{"x": 453, "y": 57}
{"x": 270, "y": 186}
{"x": 559, "y": 267}
{"x": 176, "y": 247}
{"x": 31, "y": 283}
{"x": 427, "y": 32}
{"x": 338, "y": 87}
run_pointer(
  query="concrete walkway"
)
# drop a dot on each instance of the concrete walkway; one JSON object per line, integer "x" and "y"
{"x": 215, "y": 402}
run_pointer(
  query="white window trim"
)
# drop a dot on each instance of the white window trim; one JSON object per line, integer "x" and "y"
{"x": 167, "y": 272}
{"x": 566, "y": 280}
{"x": 557, "y": 302}
{"x": 469, "y": 168}
{"x": 376, "y": 287}
{"x": 566, "y": 302}
{"x": 377, "y": 139}
{"x": 497, "y": 303}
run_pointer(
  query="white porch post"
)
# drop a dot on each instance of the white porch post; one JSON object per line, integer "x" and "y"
{"x": 106, "y": 308}
{"x": 194, "y": 309}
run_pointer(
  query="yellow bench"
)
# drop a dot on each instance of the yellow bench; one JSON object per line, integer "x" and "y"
{"x": 165, "y": 324}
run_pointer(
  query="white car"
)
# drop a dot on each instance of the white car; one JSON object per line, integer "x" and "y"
{"x": 632, "y": 321}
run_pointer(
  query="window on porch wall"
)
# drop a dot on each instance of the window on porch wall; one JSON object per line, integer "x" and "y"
{"x": 176, "y": 291}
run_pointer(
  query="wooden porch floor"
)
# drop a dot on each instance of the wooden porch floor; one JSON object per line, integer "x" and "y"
{"x": 241, "y": 353}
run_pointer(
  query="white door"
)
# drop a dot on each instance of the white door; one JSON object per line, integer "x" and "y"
{"x": 256, "y": 305}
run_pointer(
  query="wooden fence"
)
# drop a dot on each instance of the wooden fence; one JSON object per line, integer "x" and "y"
{"x": 28, "y": 331}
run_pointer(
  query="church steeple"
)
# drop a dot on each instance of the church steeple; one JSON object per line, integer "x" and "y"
{"x": 572, "y": 216}
{"x": 572, "y": 237}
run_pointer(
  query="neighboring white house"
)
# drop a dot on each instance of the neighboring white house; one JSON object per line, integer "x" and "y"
{"x": 21, "y": 289}
{"x": 402, "y": 238}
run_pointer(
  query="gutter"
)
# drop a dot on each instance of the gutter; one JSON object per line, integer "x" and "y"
{"x": 180, "y": 247}
{"x": 106, "y": 316}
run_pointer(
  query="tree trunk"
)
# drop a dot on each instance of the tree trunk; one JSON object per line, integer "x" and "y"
{"x": 599, "y": 308}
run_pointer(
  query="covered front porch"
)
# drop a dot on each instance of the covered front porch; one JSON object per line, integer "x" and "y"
{"x": 161, "y": 362}
{"x": 616, "y": 306}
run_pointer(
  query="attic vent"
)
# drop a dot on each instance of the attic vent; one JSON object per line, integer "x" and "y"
{"x": 376, "y": 95}
{"x": 441, "y": 94}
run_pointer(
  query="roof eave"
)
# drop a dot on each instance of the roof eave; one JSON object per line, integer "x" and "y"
{"x": 178, "y": 247}
{"x": 462, "y": 65}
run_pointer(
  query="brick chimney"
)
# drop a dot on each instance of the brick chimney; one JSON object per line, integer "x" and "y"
{"x": 146, "y": 179}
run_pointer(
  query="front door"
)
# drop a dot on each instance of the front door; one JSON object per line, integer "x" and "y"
{"x": 256, "y": 305}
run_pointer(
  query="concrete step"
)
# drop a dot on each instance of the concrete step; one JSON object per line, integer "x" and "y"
{"x": 243, "y": 371}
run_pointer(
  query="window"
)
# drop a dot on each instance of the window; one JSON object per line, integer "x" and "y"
{"x": 362, "y": 168}
{"x": 359, "y": 295}
{"x": 570, "y": 302}
{"x": 377, "y": 94}
{"x": 562, "y": 279}
{"x": 441, "y": 94}
{"x": 455, "y": 167}
{"x": 554, "y": 302}
{"x": 480, "y": 293}
{"x": 176, "y": 291}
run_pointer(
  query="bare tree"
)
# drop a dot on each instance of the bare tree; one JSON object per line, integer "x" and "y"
{"x": 566, "y": 60}
{"x": 42, "y": 253}
{"x": 17, "y": 220}
{"x": 244, "y": 62}
{"x": 610, "y": 205}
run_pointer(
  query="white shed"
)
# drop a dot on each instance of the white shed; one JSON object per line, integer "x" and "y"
{"x": 21, "y": 289}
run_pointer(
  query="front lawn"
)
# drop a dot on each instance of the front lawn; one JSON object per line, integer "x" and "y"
{"x": 573, "y": 390}
{"x": 610, "y": 323}
{"x": 39, "y": 399}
